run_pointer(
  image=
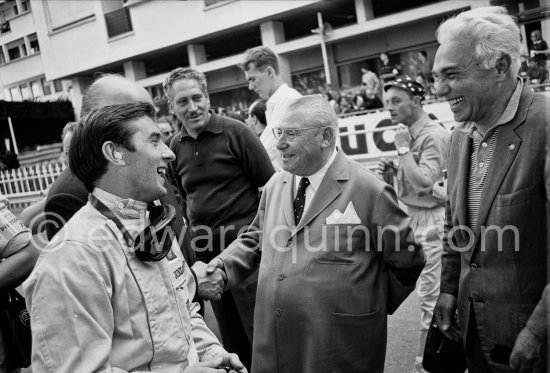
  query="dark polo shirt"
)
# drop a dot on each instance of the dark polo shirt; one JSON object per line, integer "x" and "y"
{"x": 219, "y": 174}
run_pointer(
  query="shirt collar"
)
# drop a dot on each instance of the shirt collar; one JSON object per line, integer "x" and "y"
{"x": 279, "y": 94}
{"x": 316, "y": 178}
{"x": 127, "y": 208}
{"x": 507, "y": 115}
{"x": 213, "y": 125}
{"x": 417, "y": 126}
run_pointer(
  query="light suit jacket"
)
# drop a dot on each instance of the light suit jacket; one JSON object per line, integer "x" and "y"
{"x": 503, "y": 280}
{"x": 321, "y": 302}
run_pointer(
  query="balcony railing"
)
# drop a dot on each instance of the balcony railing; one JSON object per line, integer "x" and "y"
{"x": 118, "y": 22}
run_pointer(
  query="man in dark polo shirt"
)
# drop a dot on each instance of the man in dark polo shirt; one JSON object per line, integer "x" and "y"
{"x": 220, "y": 164}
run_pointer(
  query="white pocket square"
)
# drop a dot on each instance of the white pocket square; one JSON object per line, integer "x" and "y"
{"x": 348, "y": 217}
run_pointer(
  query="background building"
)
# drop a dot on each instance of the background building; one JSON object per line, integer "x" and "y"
{"x": 51, "y": 49}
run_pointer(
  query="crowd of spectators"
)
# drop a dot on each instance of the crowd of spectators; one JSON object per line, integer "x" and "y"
{"x": 534, "y": 70}
{"x": 534, "y": 62}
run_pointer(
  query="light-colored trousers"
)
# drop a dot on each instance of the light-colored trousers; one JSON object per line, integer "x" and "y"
{"x": 427, "y": 225}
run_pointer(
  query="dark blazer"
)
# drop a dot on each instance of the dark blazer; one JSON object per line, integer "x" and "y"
{"x": 503, "y": 280}
{"x": 321, "y": 304}
{"x": 67, "y": 195}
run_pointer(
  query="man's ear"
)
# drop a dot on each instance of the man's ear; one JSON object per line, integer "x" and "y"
{"x": 328, "y": 136}
{"x": 270, "y": 71}
{"x": 113, "y": 153}
{"x": 503, "y": 66}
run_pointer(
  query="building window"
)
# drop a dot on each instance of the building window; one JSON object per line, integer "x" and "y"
{"x": 65, "y": 13}
{"x": 5, "y": 27}
{"x": 26, "y": 5}
{"x": 57, "y": 85}
{"x": 8, "y": 10}
{"x": 14, "y": 53}
{"x": 46, "y": 87}
{"x": 208, "y": 3}
{"x": 16, "y": 49}
{"x": 7, "y": 95}
{"x": 33, "y": 41}
{"x": 118, "y": 22}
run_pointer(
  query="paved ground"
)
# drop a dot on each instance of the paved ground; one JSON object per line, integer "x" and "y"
{"x": 403, "y": 337}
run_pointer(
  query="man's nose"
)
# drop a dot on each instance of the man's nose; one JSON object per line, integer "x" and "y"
{"x": 281, "y": 143}
{"x": 441, "y": 88}
{"x": 167, "y": 153}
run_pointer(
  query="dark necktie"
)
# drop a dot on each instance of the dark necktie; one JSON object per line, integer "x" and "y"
{"x": 300, "y": 200}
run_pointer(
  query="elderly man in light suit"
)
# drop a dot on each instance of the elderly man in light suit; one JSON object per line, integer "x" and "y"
{"x": 494, "y": 261}
{"x": 327, "y": 246}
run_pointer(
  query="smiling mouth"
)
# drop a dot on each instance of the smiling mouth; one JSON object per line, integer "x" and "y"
{"x": 195, "y": 116}
{"x": 286, "y": 156}
{"x": 456, "y": 101}
{"x": 161, "y": 171}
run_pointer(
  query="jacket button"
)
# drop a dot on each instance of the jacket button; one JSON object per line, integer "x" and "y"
{"x": 278, "y": 312}
{"x": 473, "y": 267}
{"x": 280, "y": 276}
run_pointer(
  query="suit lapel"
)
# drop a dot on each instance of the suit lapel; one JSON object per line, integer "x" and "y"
{"x": 506, "y": 148}
{"x": 328, "y": 190}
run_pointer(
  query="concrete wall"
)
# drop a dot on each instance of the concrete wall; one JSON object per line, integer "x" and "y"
{"x": 156, "y": 24}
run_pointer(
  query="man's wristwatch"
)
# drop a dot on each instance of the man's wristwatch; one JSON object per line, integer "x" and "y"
{"x": 402, "y": 150}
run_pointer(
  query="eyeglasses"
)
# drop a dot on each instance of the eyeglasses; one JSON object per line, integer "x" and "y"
{"x": 291, "y": 133}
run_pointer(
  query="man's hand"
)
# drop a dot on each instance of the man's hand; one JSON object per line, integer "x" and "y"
{"x": 214, "y": 264}
{"x": 222, "y": 364}
{"x": 439, "y": 191}
{"x": 210, "y": 284}
{"x": 384, "y": 165}
{"x": 445, "y": 311}
{"x": 528, "y": 355}
{"x": 232, "y": 363}
{"x": 402, "y": 136}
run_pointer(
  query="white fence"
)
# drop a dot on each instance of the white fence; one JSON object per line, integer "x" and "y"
{"x": 26, "y": 184}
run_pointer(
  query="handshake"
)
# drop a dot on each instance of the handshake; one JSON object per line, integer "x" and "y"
{"x": 211, "y": 279}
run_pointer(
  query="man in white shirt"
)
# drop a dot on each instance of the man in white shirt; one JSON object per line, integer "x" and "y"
{"x": 261, "y": 69}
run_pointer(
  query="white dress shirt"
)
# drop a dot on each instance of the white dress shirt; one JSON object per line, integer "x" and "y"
{"x": 314, "y": 181}
{"x": 276, "y": 107}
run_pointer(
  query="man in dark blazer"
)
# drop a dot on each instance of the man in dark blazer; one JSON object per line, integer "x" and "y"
{"x": 329, "y": 232}
{"x": 495, "y": 243}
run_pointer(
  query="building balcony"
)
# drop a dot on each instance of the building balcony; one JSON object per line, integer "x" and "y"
{"x": 21, "y": 69}
{"x": 17, "y": 27}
